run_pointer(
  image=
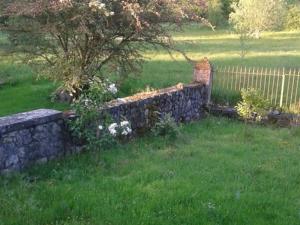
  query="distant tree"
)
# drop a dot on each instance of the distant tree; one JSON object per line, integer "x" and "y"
{"x": 293, "y": 18}
{"x": 227, "y": 7}
{"x": 74, "y": 41}
{"x": 251, "y": 17}
{"x": 215, "y": 13}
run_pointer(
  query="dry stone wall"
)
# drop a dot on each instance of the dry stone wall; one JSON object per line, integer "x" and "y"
{"x": 41, "y": 135}
{"x": 183, "y": 102}
{"x": 30, "y": 137}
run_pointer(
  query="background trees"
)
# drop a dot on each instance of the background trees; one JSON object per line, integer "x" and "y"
{"x": 251, "y": 17}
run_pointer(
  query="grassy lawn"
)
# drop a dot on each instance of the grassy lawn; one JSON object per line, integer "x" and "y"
{"x": 217, "y": 172}
{"x": 277, "y": 49}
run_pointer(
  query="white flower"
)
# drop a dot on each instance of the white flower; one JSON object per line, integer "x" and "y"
{"x": 100, "y": 127}
{"x": 112, "y": 13}
{"x": 124, "y": 132}
{"x": 113, "y": 126}
{"x": 129, "y": 130}
{"x": 124, "y": 123}
{"x": 120, "y": 129}
{"x": 112, "y": 88}
{"x": 87, "y": 102}
{"x": 126, "y": 129}
{"x": 96, "y": 4}
{"x": 112, "y": 129}
{"x": 113, "y": 132}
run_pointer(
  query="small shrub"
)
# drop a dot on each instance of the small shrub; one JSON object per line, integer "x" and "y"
{"x": 253, "y": 106}
{"x": 166, "y": 126}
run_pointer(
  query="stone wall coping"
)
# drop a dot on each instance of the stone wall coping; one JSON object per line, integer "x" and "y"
{"x": 27, "y": 119}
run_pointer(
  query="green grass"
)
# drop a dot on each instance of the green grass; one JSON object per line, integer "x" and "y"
{"x": 277, "y": 49}
{"x": 218, "y": 172}
{"x": 22, "y": 90}
{"x": 27, "y": 96}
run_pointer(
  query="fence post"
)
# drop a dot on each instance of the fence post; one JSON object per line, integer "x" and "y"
{"x": 282, "y": 88}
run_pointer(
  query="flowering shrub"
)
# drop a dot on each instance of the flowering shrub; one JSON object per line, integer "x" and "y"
{"x": 87, "y": 125}
{"x": 74, "y": 41}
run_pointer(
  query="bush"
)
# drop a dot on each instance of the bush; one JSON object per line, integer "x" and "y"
{"x": 166, "y": 126}
{"x": 293, "y": 18}
{"x": 253, "y": 106}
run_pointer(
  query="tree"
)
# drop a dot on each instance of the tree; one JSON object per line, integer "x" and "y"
{"x": 74, "y": 41}
{"x": 227, "y": 7}
{"x": 251, "y": 17}
{"x": 293, "y": 18}
{"x": 215, "y": 12}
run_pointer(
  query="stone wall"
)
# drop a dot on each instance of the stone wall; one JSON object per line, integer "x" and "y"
{"x": 183, "y": 102}
{"x": 41, "y": 135}
{"x": 30, "y": 137}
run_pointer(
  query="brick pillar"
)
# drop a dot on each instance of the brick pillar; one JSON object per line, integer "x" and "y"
{"x": 203, "y": 73}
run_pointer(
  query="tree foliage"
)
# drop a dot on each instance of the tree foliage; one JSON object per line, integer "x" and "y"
{"x": 215, "y": 13}
{"x": 293, "y": 18}
{"x": 76, "y": 40}
{"x": 251, "y": 17}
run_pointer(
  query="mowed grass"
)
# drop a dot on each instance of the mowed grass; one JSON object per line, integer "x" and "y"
{"x": 274, "y": 49}
{"x": 217, "y": 172}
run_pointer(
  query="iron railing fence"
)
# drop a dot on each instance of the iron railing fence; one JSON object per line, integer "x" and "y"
{"x": 281, "y": 86}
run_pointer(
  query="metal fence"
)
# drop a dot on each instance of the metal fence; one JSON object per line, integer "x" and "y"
{"x": 281, "y": 86}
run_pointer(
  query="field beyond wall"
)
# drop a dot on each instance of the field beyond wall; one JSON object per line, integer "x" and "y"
{"x": 275, "y": 49}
